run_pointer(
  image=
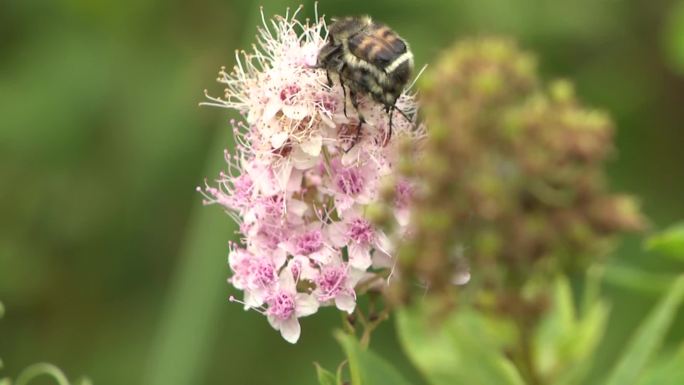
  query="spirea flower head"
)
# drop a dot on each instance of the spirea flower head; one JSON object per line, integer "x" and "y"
{"x": 301, "y": 177}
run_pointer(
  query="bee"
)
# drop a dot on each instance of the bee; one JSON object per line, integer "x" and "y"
{"x": 370, "y": 59}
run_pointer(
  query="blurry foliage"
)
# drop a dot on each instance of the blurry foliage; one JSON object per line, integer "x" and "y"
{"x": 669, "y": 242}
{"x": 101, "y": 146}
{"x": 468, "y": 347}
{"x": 673, "y": 37}
{"x": 27, "y": 375}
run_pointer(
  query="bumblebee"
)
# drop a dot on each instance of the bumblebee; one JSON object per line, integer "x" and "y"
{"x": 369, "y": 58}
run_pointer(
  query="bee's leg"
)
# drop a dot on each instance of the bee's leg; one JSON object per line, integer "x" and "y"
{"x": 390, "y": 111}
{"x": 327, "y": 75}
{"x": 344, "y": 100}
{"x": 355, "y": 102}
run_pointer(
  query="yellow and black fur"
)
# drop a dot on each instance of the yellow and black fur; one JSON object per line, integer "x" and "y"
{"x": 370, "y": 59}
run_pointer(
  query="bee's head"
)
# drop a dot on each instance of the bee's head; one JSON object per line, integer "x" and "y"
{"x": 343, "y": 28}
{"x": 328, "y": 56}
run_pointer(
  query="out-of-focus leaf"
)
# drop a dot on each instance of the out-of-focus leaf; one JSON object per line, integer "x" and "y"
{"x": 325, "y": 377}
{"x": 454, "y": 351}
{"x": 582, "y": 345}
{"x": 564, "y": 344}
{"x": 673, "y": 37}
{"x": 638, "y": 280}
{"x": 556, "y": 328}
{"x": 667, "y": 370}
{"x": 366, "y": 367}
{"x": 592, "y": 288}
{"x": 671, "y": 241}
{"x": 648, "y": 338}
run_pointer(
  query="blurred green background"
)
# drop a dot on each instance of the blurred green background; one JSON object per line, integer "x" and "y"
{"x": 109, "y": 265}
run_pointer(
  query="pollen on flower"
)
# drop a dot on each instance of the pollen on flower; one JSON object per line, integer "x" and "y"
{"x": 292, "y": 182}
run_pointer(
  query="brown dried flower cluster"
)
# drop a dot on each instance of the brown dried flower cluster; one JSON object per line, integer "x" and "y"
{"x": 512, "y": 174}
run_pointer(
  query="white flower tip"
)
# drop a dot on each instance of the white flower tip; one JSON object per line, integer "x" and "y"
{"x": 290, "y": 330}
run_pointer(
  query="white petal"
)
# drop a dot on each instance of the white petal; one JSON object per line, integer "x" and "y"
{"x": 382, "y": 260}
{"x": 282, "y": 175}
{"x": 249, "y": 217}
{"x": 305, "y": 304}
{"x": 271, "y": 109}
{"x": 337, "y": 233}
{"x": 351, "y": 156}
{"x": 252, "y": 299}
{"x": 343, "y": 202}
{"x": 278, "y": 256}
{"x": 297, "y": 207}
{"x": 302, "y": 160}
{"x": 295, "y": 182}
{"x": 359, "y": 256}
{"x": 313, "y": 145}
{"x": 290, "y": 329}
{"x": 345, "y": 302}
{"x": 383, "y": 243}
{"x": 274, "y": 322}
{"x": 403, "y": 216}
{"x": 296, "y": 111}
{"x": 321, "y": 256}
{"x": 286, "y": 281}
{"x": 306, "y": 271}
{"x": 354, "y": 276}
{"x": 278, "y": 139}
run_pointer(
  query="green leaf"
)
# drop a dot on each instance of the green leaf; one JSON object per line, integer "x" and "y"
{"x": 366, "y": 367}
{"x": 667, "y": 370}
{"x": 671, "y": 241}
{"x": 647, "y": 338}
{"x": 454, "y": 351}
{"x": 555, "y": 328}
{"x": 564, "y": 344}
{"x": 582, "y": 344}
{"x": 324, "y": 377}
{"x": 634, "y": 279}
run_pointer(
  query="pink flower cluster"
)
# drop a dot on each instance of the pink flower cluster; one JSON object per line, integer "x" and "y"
{"x": 299, "y": 182}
